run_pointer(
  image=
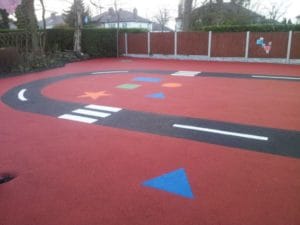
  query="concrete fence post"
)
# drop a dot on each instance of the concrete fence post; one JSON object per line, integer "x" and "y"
{"x": 289, "y": 46}
{"x": 126, "y": 44}
{"x": 175, "y": 43}
{"x": 247, "y": 45}
{"x": 149, "y": 43}
{"x": 209, "y": 43}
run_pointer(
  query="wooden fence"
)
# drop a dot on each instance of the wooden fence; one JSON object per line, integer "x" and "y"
{"x": 246, "y": 45}
{"x": 20, "y": 40}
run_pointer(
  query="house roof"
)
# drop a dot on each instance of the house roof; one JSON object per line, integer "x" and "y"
{"x": 125, "y": 16}
{"x": 53, "y": 21}
{"x": 227, "y": 9}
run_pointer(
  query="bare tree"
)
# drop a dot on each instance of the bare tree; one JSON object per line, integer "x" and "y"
{"x": 44, "y": 36}
{"x": 32, "y": 26}
{"x": 275, "y": 10}
{"x": 187, "y": 11}
{"x": 43, "y": 14}
{"x": 198, "y": 3}
{"x": 97, "y": 5}
{"x": 78, "y": 27}
{"x": 244, "y": 3}
{"x": 118, "y": 24}
{"x": 162, "y": 18}
{"x": 255, "y": 6}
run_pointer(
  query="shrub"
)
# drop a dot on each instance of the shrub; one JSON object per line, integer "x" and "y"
{"x": 95, "y": 42}
{"x": 253, "y": 28}
{"x": 99, "y": 42}
{"x": 9, "y": 59}
{"x": 59, "y": 40}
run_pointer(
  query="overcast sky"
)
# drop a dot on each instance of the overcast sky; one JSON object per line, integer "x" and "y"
{"x": 148, "y": 8}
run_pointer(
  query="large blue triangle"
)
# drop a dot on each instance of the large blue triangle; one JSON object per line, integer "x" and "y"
{"x": 175, "y": 182}
{"x": 159, "y": 95}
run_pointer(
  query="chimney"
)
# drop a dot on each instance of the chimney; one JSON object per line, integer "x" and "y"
{"x": 135, "y": 13}
{"x": 111, "y": 11}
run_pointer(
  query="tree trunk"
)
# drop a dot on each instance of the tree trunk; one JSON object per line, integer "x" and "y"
{"x": 78, "y": 28}
{"x": 43, "y": 39}
{"x": 118, "y": 25}
{"x": 32, "y": 25}
{"x": 43, "y": 14}
{"x": 187, "y": 11}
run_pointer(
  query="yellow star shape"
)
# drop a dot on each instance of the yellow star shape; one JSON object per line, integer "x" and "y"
{"x": 94, "y": 95}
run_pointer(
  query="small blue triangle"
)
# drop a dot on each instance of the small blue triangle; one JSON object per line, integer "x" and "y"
{"x": 175, "y": 182}
{"x": 159, "y": 95}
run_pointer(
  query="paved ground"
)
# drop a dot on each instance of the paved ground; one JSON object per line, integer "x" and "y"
{"x": 133, "y": 141}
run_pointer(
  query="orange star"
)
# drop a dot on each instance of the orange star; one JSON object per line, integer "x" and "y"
{"x": 94, "y": 95}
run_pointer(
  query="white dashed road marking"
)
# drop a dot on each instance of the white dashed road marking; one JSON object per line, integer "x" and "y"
{"x": 223, "y": 132}
{"x": 89, "y": 113}
{"x": 276, "y": 77}
{"x": 78, "y": 118}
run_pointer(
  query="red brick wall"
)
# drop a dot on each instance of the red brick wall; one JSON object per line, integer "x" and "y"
{"x": 192, "y": 43}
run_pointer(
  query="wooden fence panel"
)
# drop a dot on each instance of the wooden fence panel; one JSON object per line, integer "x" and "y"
{"x": 278, "y": 48}
{"x": 137, "y": 43}
{"x": 222, "y": 44}
{"x": 228, "y": 44}
{"x": 162, "y": 43}
{"x": 295, "y": 51}
{"x": 192, "y": 43}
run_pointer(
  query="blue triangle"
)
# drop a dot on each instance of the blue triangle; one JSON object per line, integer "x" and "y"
{"x": 175, "y": 182}
{"x": 159, "y": 95}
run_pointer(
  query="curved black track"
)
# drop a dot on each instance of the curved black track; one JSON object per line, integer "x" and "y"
{"x": 280, "y": 142}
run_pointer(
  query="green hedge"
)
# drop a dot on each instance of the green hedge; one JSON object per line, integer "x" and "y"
{"x": 59, "y": 39}
{"x": 95, "y": 42}
{"x": 253, "y": 28}
{"x": 99, "y": 42}
{"x": 133, "y": 30}
{"x": 10, "y": 31}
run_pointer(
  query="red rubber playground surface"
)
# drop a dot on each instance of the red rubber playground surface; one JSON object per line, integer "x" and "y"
{"x": 72, "y": 173}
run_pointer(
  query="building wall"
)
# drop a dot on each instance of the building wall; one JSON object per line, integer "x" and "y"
{"x": 147, "y": 26}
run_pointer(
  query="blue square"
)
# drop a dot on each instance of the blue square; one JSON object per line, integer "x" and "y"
{"x": 147, "y": 79}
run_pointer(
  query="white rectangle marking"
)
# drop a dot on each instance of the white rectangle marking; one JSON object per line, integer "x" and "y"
{"x": 91, "y": 113}
{"x": 223, "y": 132}
{"x": 104, "y": 72}
{"x": 77, "y": 118}
{"x": 104, "y": 108}
{"x": 186, "y": 73}
{"x": 276, "y": 77}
